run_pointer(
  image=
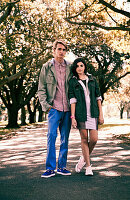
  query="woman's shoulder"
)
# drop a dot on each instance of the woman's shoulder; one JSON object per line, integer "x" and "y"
{"x": 91, "y": 77}
{"x": 73, "y": 79}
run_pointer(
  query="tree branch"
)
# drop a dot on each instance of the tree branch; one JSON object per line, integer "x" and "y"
{"x": 86, "y": 6}
{"x": 111, "y": 17}
{"x": 2, "y": 74}
{"x": 8, "y": 10}
{"x": 3, "y": 99}
{"x": 13, "y": 77}
{"x": 123, "y": 28}
{"x": 125, "y": 13}
{"x": 107, "y": 5}
{"x": 112, "y": 83}
{"x": 31, "y": 93}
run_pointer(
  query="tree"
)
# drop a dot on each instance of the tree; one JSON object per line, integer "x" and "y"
{"x": 23, "y": 116}
{"x": 103, "y": 63}
{"x": 124, "y": 96}
{"x": 6, "y": 8}
{"x": 26, "y": 39}
{"x": 32, "y": 107}
{"x": 91, "y": 15}
{"x": 94, "y": 13}
{"x": 17, "y": 24}
{"x": 120, "y": 97}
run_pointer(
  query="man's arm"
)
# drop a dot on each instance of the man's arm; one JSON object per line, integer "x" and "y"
{"x": 42, "y": 95}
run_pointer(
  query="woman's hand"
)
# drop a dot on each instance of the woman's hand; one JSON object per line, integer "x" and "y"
{"x": 74, "y": 123}
{"x": 101, "y": 119}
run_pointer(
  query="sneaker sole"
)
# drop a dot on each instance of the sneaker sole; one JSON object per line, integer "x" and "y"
{"x": 48, "y": 176}
{"x": 88, "y": 174}
{"x": 64, "y": 174}
{"x": 91, "y": 174}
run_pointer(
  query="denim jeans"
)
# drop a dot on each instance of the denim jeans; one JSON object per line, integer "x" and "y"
{"x": 62, "y": 120}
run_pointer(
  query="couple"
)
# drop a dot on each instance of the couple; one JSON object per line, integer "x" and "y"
{"x": 61, "y": 85}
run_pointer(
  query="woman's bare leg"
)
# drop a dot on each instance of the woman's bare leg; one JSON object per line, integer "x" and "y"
{"x": 93, "y": 139}
{"x": 84, "y": 146}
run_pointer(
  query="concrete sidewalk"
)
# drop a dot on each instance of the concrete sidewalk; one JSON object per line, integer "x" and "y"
{"x": 23, "y": 160}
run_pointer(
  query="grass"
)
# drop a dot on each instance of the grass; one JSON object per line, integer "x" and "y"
{"x": 125, "y": 138}
{"x": 112, "y": 125}
{"x": 7, "y": 133}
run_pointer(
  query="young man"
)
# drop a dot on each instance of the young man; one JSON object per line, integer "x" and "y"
{"x": 53, "y": 97}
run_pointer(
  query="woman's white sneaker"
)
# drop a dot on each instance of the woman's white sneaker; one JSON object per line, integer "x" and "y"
{"x": 80, "y": 164}
{"x": 89, "y": 171}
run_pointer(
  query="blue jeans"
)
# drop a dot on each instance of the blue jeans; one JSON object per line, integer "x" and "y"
{"x": 62, "y": 120}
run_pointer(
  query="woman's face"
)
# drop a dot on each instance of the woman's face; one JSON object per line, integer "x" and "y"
{"x": 80, "y": 68}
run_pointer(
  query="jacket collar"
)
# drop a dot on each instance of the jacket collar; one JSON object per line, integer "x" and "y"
{"x": 53, "y": 68}
{"x": 90, "y": 76}
{"x": 52, "y": 62}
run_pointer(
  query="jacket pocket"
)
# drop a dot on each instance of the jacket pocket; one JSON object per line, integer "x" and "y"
{"x": 50, "y": 79}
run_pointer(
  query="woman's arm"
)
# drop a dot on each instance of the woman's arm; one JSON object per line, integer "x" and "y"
{"x": 101, "y": 119}
{"x": 73, "y": 101}
{"x": 74, "y": 122}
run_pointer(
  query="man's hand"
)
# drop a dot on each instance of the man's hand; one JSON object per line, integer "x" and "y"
{"x": 49, "y": 108}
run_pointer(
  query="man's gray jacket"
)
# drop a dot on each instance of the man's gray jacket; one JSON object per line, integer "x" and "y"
{"x": 48, "y": 83}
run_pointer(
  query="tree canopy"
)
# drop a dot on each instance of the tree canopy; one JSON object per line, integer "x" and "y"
{"x": 28, "y": 30}
{"x": 91, "y": 14}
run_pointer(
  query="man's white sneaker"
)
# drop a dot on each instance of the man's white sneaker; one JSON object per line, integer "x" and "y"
{"x": 89, "y": 171}
{"x": 80, "y": 164}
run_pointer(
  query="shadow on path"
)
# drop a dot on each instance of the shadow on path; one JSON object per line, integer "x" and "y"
{"x": 23, "y": 161}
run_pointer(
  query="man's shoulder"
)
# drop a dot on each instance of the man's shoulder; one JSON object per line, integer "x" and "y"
{"x": 46, "y": 66}
{"x": 68, "y": 63}
{"x": 48, "y": 63}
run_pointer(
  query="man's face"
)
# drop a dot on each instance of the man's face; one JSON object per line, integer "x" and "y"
{"x": 60, "y": 51}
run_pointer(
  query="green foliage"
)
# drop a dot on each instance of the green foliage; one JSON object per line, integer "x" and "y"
{"x": 26, "y": 38}
{"x": 24, "y": 41}
{"x": 103, "y": 63}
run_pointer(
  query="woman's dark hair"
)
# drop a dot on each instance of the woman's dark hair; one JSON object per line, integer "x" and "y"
{"x": 74, "y": 66}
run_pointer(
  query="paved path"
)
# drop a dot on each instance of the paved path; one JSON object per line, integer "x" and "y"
{"x": 23, "y": 160}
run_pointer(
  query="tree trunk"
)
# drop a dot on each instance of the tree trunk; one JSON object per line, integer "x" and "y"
{"x": 12, "y": 117}
{"x": 44, "y": 116}
{"x": 128, "y": 114}
{"x": 23, "y": 116}
{"x": 40, "y": 117}
{"x": 121, "y": 113}
{"x": 31, "y": 114}
{"x": 32, "y": 117}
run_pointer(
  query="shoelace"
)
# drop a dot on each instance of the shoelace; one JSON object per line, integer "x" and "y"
{"x": 49, "y": 170}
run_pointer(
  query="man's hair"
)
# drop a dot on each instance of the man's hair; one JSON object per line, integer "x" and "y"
{"x": 59, "y": 41}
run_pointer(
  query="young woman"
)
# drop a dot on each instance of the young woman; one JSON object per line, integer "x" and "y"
{"x": 86, "y": 110}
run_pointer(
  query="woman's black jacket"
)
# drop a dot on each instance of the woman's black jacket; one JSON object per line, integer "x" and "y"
{"x": 76, "y": 91}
